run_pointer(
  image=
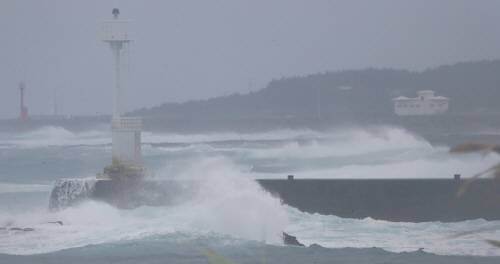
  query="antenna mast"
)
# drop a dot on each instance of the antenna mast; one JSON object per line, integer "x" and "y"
{"x": 23, "y": 110}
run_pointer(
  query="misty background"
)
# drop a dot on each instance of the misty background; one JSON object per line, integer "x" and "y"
{"x": 185, "y": 50}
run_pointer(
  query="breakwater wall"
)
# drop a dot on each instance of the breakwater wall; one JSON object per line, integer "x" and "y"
{"x": 408, "y": 200}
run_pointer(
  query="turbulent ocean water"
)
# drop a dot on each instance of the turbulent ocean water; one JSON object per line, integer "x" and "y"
{"x": 230, "y": 210}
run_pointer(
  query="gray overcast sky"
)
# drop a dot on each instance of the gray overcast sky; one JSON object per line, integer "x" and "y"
{"x": 198, "y": 49}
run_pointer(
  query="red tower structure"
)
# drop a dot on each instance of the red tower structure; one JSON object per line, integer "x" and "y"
{"x": 23, "y": 110}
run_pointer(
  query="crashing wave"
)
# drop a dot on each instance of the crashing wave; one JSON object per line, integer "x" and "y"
{"x": 67, "y": 192}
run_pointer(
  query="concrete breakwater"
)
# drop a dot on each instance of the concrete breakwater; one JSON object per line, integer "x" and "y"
{"x": 408, "y": 200}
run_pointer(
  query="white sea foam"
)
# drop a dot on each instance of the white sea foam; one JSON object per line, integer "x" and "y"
{"x": 58, "y": 136}
{"x": 54, "y": 136}
{"x": 96, "y": 223}
{"x": 230, "y": 203}
{"x": 226, "y": 203}
{"x": 303, "y": 144}
{"x": 354, "y": 153}
{"x": 69, "y": 191}
{"x": 347, "y": 143}
{"x": 419, "y": 168}
{"x": 283, "y": 134}
{"x": 435, "y": 237}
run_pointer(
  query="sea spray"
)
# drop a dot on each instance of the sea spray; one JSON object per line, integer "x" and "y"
{"x": 344, "y": 143}
{"x": 54, "y": 136}
{"x": 202, "y": 212}
{"x": 220, "y": 203}
{"x": 436, "y": 237}
{"x": 67, "y": 192}
{"x": 229, "y": 202}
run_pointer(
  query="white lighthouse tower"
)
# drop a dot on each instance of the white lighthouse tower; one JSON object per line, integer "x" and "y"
{"x": 126, "y": 131}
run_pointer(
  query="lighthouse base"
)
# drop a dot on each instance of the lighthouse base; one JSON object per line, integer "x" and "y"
{"x": 127, "y": 194}
{"x": 124, "y": 193}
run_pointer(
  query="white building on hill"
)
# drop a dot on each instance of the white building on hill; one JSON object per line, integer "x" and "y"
{"x": 425, "y": 104}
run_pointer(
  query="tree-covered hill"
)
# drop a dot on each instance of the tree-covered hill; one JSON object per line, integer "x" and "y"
{"x": 473, "y": 87}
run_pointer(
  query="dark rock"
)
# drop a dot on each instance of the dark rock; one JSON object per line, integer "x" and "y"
{"x": 316, "y": 246}
{"x": 56, "y": 222}
{"x": 26, "y": 229}
{"x": 291, "y": 240}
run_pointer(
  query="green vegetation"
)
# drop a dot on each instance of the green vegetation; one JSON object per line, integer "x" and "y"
{"x": 472, "y": 87}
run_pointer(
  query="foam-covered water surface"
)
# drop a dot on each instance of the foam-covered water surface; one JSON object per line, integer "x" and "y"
{"x": 228, "y": 204}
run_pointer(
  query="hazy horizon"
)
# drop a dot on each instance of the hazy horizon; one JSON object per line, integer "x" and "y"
{"x": 186, "y": 50}
{"x": 276, "y": 131}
